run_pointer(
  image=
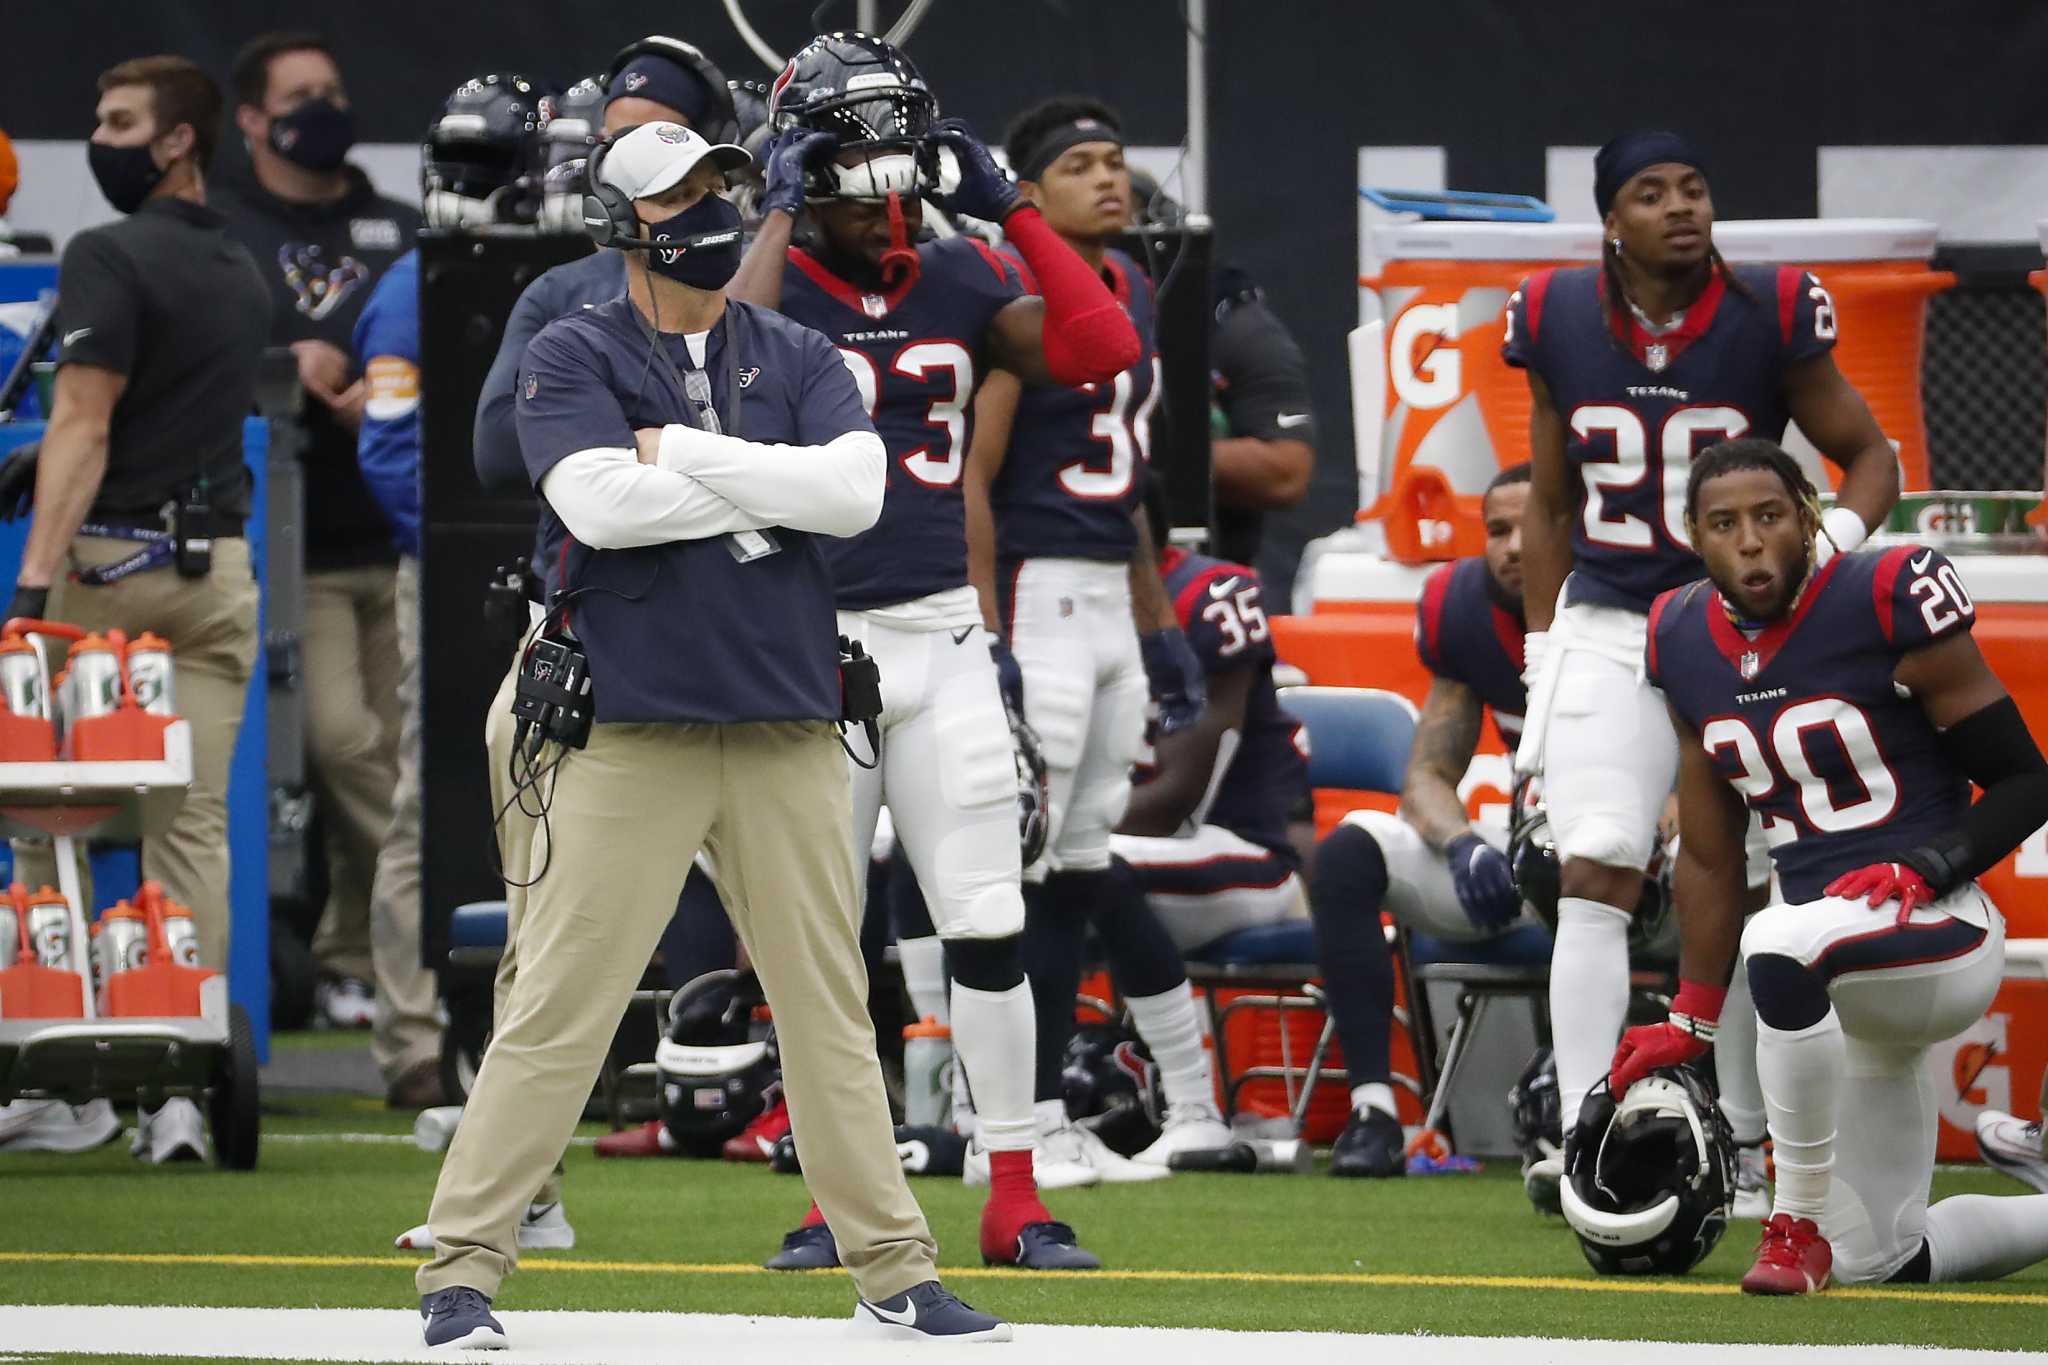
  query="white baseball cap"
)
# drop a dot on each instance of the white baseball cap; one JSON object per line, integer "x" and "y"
{"x": 651, "y": 158}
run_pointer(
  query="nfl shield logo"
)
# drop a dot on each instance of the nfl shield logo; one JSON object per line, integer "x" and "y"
{"x": 874, "y": 305}
{"x": 1656, "y": 357}
{"x": 532, "y": 384}
{"x": 1750, "y": 665}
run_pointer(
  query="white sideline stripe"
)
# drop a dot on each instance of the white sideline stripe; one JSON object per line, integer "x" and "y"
{"x": 376, "y": 1139}
{"x": 634, "y": 1338}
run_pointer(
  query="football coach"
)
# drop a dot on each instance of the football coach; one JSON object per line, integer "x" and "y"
{"x": 689, "y": 452}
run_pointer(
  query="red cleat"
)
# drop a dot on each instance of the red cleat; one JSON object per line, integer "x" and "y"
{"x": 1792, "y": 1258}
{"x": 758, "y": 1140}
{"x": 649, "y": 1139}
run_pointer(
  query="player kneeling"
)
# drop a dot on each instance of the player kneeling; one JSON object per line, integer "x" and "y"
{"x": 1847, "y": 703}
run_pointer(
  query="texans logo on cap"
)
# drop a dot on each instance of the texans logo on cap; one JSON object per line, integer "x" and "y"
{"x": 635, "y": 79}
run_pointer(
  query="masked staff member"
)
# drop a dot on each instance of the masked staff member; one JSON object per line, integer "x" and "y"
{"x": 690, "y": 454}
{"x": 140, "y": 490}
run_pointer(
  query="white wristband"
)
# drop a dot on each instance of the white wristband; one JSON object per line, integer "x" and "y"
{"x": 1844, "y": 528}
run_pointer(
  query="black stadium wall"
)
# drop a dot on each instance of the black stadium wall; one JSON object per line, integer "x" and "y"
{"x": 1296, "y": 89}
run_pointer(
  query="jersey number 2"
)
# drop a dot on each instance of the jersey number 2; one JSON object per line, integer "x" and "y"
{"x": 1684, "y": 431}
{"x": 1127, "y": 434}
{"x": 935, "y": 469}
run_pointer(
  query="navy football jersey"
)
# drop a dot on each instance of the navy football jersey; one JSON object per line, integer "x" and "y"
{"x": 1638, "y": 407}
{"x": 916, "y": 354}
{"x": 1222, "y": 608}
{"x": 1465, "y": 631}
{"x": 1070, "y": 481}
{"x": 1804, "y": 720}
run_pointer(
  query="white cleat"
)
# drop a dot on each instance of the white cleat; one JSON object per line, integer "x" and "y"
{"x": 53, "y": 1126}
{"x": 1752, "y": 1184}
{"x": 543, "y": 1227}
{"x": 175, "y": 1132}
{"x": 1048, "y": 1172}
{"x": 1189, "y": 1128}
{"x": 1541, "y": 1180}
{"x": 1113, "y": 1169}
{"x": 2014, "y": 1146}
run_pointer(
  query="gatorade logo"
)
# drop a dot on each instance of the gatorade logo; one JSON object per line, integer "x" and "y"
{"x": 1423, "y": 362}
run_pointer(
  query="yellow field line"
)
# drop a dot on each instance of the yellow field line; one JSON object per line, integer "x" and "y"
{"x": 1359, "y": 1279}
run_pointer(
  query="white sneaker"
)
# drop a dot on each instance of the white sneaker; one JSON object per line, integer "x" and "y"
{"x": 1047, "y": 1171}
{"x": 1541, "y": 1180}
{"x": 543, "y": 1227}
{"x": 1113, "y": 1169}
{"x": 1752, "y": 1187}
{"x": 345, "y": 1002}
{"x": 2014, "y": 1146}
{"x": 174, "y": 1132}
{"x": 1189, "y": 1128}
{"x": 52, "y": 1126}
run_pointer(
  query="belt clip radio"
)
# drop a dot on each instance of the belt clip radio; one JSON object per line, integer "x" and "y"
{"x": 860, "y": 697}
{"x": 552, "y": 699}
{"x": 192, "y": 533}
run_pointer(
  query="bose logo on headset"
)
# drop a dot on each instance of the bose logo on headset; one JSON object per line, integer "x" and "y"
{"x": 669, "y": 255}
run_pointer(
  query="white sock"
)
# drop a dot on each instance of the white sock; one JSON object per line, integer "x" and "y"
{"x": 995, "y": 1041}
{"x": 1801, "y": 1075}
{"x": 1173, "y": 1034}
{"x": 1588, "y": 997}
{"x": 1982, "y": 1236}
{"x": 924, "y": 976}
{"x": 1374, "y": 1095}
{"x": 1742, "y": 1096}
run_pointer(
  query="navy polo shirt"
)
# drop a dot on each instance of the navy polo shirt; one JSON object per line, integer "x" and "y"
{"x": 686, "y": 631}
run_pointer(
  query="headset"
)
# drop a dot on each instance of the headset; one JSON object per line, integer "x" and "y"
{"x": 723, "y": 124}
{"x": 608, "y": 215}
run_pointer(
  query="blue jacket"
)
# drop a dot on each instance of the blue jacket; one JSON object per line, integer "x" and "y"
{"x": 387, "y": 344}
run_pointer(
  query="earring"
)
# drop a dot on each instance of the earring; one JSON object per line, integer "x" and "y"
{"x": 1615, "y": 242}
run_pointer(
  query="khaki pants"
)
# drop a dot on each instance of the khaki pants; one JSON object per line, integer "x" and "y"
{"x": 212, "y": 625}
{"x": 406, "y": 1033}
{"x": 770, "y": 803}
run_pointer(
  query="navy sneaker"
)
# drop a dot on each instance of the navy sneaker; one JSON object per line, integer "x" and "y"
{"x": 928, "y": 1312}
{"x": 1048, "y": 1246}
{"x": 810, "y": 1248}
{"x": 1371, "y": 1145}
{"x": 460, "y": 1318}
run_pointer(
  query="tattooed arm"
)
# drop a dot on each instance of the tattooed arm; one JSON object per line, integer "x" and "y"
{"x": 1446, "y": 735}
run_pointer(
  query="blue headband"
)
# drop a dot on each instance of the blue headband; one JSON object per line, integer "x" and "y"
{"x": 665, "y": 82}
{"x": 1632, "y": 153}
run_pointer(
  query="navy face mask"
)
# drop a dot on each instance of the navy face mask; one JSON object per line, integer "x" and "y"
{"x": 125, "y": 175}
{"x": 707, "y": 250}
{"x": 316, "y": 135}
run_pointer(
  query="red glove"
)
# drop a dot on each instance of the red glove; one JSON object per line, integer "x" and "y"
{"x": 1683, "y": 1037}
{"x": 1881, "y": 882}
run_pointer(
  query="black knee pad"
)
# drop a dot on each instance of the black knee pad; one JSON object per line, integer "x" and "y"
{"x": 1348, "y": 875}
{"x": 1788, "y": 994}
{"x": 985, "y": 964}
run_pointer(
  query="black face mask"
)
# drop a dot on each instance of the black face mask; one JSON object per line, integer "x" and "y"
{"x": 709, "y": 233}
{"x": 316, "y": 135}
{"x": 126, "y": 175}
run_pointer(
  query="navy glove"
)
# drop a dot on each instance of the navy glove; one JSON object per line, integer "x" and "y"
{"x": 18, "y": 482}
{"x": 1009, "y": 677}
{"x": 28, "y": 602}
{"x": 1174, "y": 676}
{"x": 792, "y": 153}
{"x": 985, "y": 191}
{"x": 1485, "y": 882}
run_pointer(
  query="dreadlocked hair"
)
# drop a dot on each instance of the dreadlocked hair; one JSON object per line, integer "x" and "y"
{"x": 1617, "y": 291}
{"x": 1750, "y": 452}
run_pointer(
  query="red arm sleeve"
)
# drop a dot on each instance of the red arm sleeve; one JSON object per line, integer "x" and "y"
{"x": 1087, "y": 337}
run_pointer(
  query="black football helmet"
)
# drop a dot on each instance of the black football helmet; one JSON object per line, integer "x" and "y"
{"x": 1539, "y": 876}
{"x": 1111, "y": 1087}
{"x": 485, "y": 157}
{"x": 577, "y": 125}
{"x": 868, "y": 95}
{"x": 1647, "y": 1180}
{"x": 1533, "y": 1109}
{"x": 1034, "y": 793}
{"x": 750, "y": 107}
{"x": 717, "y": 1068}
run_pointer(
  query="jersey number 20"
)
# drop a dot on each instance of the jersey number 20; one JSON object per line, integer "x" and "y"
{"x": 1684, "y": 432}
{"x": 933, "y": 468}
{"x": 1759, "y": 776}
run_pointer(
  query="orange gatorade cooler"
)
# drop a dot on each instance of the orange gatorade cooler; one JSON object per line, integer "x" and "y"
{"x": 1451, "y": 404}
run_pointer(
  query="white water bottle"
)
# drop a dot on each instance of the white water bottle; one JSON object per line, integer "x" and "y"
{"x": 928, "y": 1074}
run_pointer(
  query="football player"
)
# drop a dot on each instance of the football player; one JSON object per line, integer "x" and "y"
{"x": 918, "y": 323}
{"x": 1203, "y": 848}
{"x": 1634, "y": 365}
{"x": 1848, "y": 705}
{"x": 1058, "y": 549}
{"x": 1429, "y": 864}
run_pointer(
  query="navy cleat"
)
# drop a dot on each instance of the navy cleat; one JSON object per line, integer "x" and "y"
{"x": 1049, "y": 1246}
{"x": 810, "y": 1248}
{"x": 928, "y": 1312}
{"x": 1371, "y": 1145}
{"x": 460, "y": 1319}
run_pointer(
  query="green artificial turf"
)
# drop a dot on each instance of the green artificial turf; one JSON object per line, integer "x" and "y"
{"x": 336, "y": 1199}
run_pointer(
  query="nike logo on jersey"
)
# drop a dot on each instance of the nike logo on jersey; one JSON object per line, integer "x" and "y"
{"x": 1291, "y": 419}
{"x": 907, "y": 1318}
{"x": 960, "y": 635}
{"x": 1222, "y": 587}
{"x": 1920, "y": 565}
{"x": 70, "y": 337}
